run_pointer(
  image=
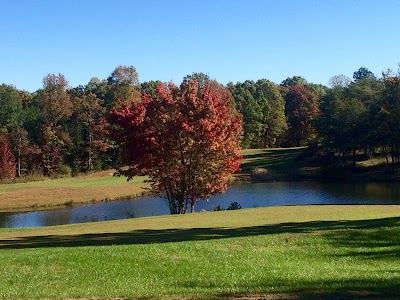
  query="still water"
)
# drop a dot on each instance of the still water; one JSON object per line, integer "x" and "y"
{"x": 247, "y": 195}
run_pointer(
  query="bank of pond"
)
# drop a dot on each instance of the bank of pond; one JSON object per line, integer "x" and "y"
{"x": 247, "y": 195}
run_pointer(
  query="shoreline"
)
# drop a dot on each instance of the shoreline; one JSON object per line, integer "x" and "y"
{"x": 68, "y": 204}
{"x": 243, "y": 178}
{"x": 259, "y": 165}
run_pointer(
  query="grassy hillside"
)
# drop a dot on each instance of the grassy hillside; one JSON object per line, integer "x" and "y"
{"x": 329, "y": 252}
{"x": 279, "y": 160}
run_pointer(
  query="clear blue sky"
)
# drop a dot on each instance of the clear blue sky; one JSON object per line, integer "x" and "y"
{"x": 231, "y": 40}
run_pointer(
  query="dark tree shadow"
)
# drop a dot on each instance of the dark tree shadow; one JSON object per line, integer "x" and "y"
{"x": 351, "y": 234}
{"x": 283, "y": 160}
{"x": 360, "y": 289}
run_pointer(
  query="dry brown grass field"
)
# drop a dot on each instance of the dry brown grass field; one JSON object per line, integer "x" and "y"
{"x": 95, "y": 187}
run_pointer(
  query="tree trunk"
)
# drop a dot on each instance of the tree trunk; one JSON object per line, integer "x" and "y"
{"x": 192, "y": 204}
{"x": 19, "y": 160}
{"x": 90, "y": 153}
{"x": 386, "y": 154}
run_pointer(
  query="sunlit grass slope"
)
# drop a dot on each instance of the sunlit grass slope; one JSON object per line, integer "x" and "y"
{"x": 280, "y": 159}
{"x": 332, "y": 252}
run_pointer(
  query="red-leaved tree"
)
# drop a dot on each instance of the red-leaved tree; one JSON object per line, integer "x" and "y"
{"x": 301, "y": 111}
{"x": 7, "y": 159}
{"x": 185, "y": 139}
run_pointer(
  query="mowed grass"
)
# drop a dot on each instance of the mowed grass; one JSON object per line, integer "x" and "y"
{"x": 279, "y": 160}
{"x": 328, "y": 252}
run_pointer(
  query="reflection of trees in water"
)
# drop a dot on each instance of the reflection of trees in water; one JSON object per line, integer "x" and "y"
{"x": 389, "y": 191}
{"x": 4, "y": 220}
{"x": 56, "y": 217}
{"x": 377, "y": 192}
{"x": 130, "y": 214}
{"x": 92, "y": 218}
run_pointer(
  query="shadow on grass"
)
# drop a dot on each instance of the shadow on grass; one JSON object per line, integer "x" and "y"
{"x": 333, "y": 290}
{"x": 370, "y": 238}
{"x": 278, "y": 160}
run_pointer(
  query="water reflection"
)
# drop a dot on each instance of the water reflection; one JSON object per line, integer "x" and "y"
{"x": 248, "y": 195}
{"x": 146, "y": 206}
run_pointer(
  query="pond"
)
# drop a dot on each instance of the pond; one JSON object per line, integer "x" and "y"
{"x": 247, "y": 195}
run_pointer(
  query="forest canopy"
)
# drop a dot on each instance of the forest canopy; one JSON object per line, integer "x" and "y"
{"x": 60, "y": 129}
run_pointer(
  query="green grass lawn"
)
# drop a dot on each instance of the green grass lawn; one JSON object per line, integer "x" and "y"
{"x": 328, "y": 252}
{"x": 83, "y": 181}
{"x": 278, "y": 160}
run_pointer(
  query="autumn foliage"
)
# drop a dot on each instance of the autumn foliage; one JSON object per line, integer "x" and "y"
{"x": 301, "y": 111}
{"x": 7, "y": 159}
{"x": 184, "y": 138}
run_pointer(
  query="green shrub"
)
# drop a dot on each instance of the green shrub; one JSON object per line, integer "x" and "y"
{"x": 218, "y": 208}
{"x": 234, "y": 206}
{"x": 64, "y": 170}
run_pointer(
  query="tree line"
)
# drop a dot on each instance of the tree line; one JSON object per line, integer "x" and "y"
{"x": 60, "y": 129}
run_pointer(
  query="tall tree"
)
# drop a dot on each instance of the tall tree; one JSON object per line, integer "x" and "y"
{"x": 273, "y": 111}
{"x": 368, "y": 90}
{"x": 301, "y": 111}
{"x": 98, "y": 87}
{"x": 10, "y": 106}
{"x": 263, "y": 110}
{"x": 339, "y": 81}
{"x": 124, "y": 86}
{"x": 294, "y": 81}
{"x": 200, "y": 77}
{"x": 15, "y": 111}
{"x": 363, "y": 73}
{"x": 150, "y": 87}
{"x": 185, "y": 142}
{"x": 389, "y": 116}
{"x": 349, "y": 120}
{"x": 243, "y": 95}
{"x": 20, "y": 145}
{"x": 89, "y": 129}
{"x": 56, "y": 106}
{"x": 7, "y": 159}
{"x": 56, "y": 103}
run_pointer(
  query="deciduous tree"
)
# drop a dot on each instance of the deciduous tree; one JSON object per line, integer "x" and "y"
{"x": 123, "y": 86}
{"x": 89, "y": 128}
{"x": 185, "y": 141}
{"x": 263, "y": 110}
{"x": 200, "y": 77}
{"x": 301, "y": 110}
{"x": 389, "y": 116}
{"x": 7, "y": 159}
{"x": 339, "y": 81}
{"x": 56, "y": 106}
{"x": 273, "y": 110}
{"x": 15, "y": 110}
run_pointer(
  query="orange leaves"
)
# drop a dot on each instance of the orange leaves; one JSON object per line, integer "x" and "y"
{"x": 184, "y": 139}
{"x": 7, "y": 159}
